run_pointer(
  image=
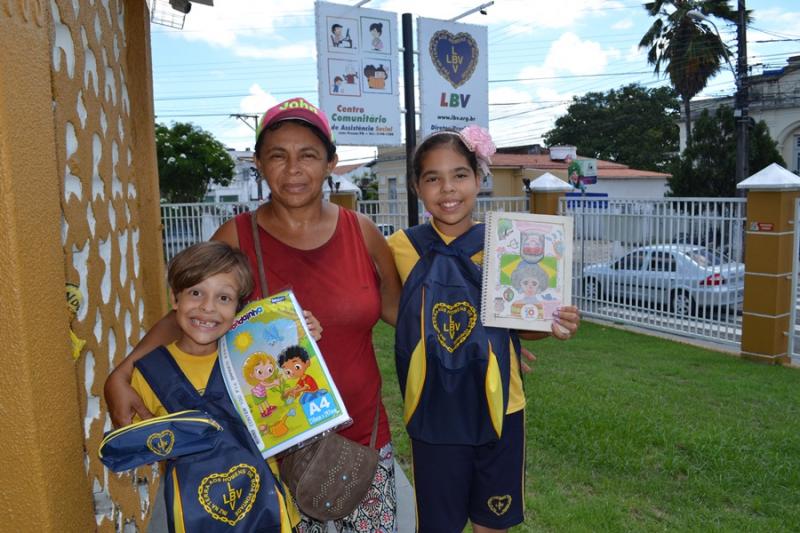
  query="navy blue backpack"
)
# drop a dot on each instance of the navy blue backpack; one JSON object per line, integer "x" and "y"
{"x": 228, "y": 487}
{"x": 453, "y": 371}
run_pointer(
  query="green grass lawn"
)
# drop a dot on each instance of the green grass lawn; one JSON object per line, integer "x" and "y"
{"x": 627, "y": 432}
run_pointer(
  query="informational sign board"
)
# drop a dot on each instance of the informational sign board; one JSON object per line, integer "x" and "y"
{"x": 358, "y": 70}
{"x": 453, "y": 75}
{"x": 588, "y": 173}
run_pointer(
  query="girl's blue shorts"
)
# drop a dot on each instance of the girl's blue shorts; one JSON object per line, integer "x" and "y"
{"x": 483, "y": 484}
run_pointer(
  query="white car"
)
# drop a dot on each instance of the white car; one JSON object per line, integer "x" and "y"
{"x": 684, "y": 278}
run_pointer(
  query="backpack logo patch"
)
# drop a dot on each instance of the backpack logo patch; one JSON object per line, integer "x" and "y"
{"x": 229, "y": 496}
{"x": 453, "y": 323}
{"x": 161, "y": 443}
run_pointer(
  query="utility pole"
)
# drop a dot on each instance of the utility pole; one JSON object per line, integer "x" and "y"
{"x": 244, "y": 117}
{"x": 411, "y": 124}
{"x": 742, "y": 97}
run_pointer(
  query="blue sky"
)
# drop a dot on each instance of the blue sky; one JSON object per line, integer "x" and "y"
{"x": 242, "y": 56}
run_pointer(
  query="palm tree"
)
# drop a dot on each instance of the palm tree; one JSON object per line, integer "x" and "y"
{"x": 685, "y": 43}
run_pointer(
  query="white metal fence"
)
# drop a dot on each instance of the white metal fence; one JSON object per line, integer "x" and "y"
{"x": 794, "y": 320}
{"x": 673, "y": 265}
{"x": 392, "y": 215}
{"x": 186, "y": 224}
{"x": 666, "y": 264}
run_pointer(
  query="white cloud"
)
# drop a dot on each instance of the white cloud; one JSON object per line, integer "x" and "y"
{"x": 635, "y": 54}
{"x": 245, "y": 26}
{"x": 292, "y": 51}
{"x": 537, "y": 74}
{"x": 571, "y": 54}
{"x": 777, "y": 20}
{"x": 530, "y": 15}
{"x": 529, "y": 118}
{"x": 624, "y": 24}
{"x": 257, "y": 101}
{"x": 237, "y": 134}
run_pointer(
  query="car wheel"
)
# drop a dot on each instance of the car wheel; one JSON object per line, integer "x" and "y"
{"x": 682, "y": 304}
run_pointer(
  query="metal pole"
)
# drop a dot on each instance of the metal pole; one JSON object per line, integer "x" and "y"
{"x": 742, "y": 97}
{"x": 411, "y": 126}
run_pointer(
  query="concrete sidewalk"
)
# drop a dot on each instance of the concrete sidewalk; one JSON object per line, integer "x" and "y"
{"x": 406, "y": 512}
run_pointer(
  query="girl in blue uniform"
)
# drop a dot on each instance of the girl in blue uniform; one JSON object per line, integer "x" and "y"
{"x": 464, "y": 403}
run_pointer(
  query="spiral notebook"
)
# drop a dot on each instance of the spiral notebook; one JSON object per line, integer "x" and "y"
{"x": 527, "y": 269}
{"x": 277, "y": 377}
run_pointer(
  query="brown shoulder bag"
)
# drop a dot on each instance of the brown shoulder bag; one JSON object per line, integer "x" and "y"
{"x": 329, "y": 477}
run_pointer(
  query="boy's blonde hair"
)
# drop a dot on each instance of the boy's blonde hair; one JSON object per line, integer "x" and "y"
{"x": 257, "y": 358}
{"x": 205, "y": 259}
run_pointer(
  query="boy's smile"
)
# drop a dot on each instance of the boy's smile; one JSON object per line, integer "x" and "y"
{"x": 205, "y": 312}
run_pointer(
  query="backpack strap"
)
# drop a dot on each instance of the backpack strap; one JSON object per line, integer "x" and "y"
{"x": 262, "y": 276}
{"x": 168, "y": 381}
{"x": 424, "y": 238}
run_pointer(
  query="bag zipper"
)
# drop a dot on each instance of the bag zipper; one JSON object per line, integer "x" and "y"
{"x": 179, "y": 416}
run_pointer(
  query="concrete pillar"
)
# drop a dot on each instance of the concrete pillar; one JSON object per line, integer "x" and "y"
{"x": 45, "y": 487}
{"x": 344, "y": 199}
{"x": 769, "y": 234}
{"x": 545, "y": 193}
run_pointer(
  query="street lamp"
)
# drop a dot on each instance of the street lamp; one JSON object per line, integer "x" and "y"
{"x": 481, "y": 8}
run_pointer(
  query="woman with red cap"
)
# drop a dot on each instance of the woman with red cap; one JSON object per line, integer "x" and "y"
{"x": 340, "y": 268}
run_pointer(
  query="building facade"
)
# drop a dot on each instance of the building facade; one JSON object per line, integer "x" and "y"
{"x": 774, "y": 98}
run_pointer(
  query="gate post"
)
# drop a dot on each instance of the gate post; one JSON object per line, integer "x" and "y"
{"x": 545, "y": 192}
{"x": 769, "y": 243}
{"x": 343, "y": 199}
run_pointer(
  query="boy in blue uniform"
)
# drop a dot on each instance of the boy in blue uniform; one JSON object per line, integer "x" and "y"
{"x": 464, "y": 403}
{"x": 207, "y": 282}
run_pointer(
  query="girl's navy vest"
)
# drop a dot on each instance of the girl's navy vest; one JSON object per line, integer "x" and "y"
{"x": 453, "y": 371}
{"x": 227, "y": 488}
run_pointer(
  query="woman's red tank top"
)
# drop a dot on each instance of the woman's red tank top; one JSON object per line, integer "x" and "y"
{"x": 337, "y": 282}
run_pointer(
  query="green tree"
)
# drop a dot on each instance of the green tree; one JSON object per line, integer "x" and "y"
{"x": 190, "y": 158}
{"x": 707, "y": 168}
{"x": 685, "y": 44}
{"x": 368, "y": 183}
{"x": 631, "y": 125}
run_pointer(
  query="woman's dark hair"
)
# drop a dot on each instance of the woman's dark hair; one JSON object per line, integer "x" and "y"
{"x": 438, "y": 140}
{"x": 330, "y": 148}
{"x": 376, "y": 26}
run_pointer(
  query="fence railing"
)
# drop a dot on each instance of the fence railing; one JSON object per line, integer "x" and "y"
{"x": 794, "y": 319}
{"x": 187, "y": 224}
{"x": 673, "y": 265}
{"x": 392, "y": 215}
{"x": 666, "y": 264}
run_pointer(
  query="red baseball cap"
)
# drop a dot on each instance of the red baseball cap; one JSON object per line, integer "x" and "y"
{"x": 299, "y": 109}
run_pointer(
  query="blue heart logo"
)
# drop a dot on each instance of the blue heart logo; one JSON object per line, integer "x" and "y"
{"x": 455, "y": 56}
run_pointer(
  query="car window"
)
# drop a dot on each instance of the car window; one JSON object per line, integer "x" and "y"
{"x": 705, "y": 258}
{"x": 662, "y": 262}
{"x": 632, "y": 261}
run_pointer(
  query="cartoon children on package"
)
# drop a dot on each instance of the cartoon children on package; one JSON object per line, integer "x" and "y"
{"x": 261, "y": 373}
{"x": 294, "y": 362}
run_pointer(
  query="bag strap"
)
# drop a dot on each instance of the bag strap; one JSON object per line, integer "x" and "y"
{"x": 168, "y": 382}
{"x": 262, "y": 276}
{"x": 374, "y": 437}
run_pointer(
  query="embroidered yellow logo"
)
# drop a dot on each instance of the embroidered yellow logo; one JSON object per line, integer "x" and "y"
{"x": 453, "y": 323}
{"x": 499, "y": 505}
{"x": 161, "y": 443}
{"x": 229, "y": 496}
